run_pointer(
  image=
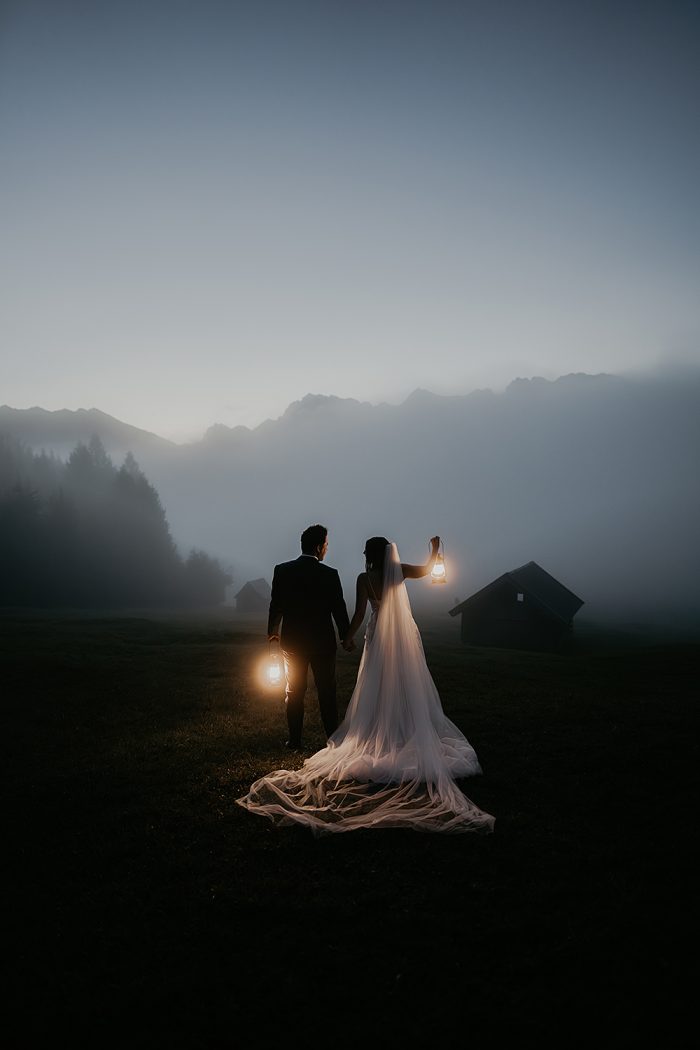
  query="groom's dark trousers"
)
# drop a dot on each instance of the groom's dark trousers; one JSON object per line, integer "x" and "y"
{"x": 297, "y": 671}
{"x": 307, "y": 597}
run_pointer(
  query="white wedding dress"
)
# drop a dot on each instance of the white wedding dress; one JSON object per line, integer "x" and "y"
{"x": 394, "y": 759}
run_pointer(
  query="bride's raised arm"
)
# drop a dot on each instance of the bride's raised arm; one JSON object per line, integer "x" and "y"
{"x": 414, "y": 572}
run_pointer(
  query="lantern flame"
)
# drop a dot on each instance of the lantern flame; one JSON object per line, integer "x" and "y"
{"x": 274, "y": 671}
{"x": 439, "y": 575}
{"x": 273, "y": 665}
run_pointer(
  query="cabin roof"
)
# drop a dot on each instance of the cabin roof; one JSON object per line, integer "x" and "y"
{"x": 553, "y": 597}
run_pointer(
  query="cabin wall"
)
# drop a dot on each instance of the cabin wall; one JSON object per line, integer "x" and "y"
{"x": 252, "y": 605}
{"x": 499, "y": 619}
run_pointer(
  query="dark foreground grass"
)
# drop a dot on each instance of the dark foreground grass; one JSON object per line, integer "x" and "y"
{"x": 145, "y": 909}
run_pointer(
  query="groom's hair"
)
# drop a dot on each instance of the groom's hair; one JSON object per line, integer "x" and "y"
{"x": 313, "y": 537}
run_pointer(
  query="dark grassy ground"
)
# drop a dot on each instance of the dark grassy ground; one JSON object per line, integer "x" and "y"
{"x": 145, "y": 909}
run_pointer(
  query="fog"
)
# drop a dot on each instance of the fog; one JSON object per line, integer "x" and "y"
{"x": 84, "y": 533}
{"x": 593, "y": 477}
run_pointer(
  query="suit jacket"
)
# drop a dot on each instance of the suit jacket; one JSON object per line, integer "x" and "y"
{"x": 306, "y": 597}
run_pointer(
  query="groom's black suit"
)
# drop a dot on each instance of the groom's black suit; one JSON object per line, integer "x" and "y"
{"x": 307, "y": 597}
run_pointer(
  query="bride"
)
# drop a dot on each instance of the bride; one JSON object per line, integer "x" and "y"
{"x": 395, "y": 758}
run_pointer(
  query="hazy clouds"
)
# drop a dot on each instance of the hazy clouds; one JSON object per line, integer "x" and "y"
{"x": 593, "y": 477}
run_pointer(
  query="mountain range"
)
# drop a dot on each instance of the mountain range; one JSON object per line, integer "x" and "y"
{"x": 594, "y": 477}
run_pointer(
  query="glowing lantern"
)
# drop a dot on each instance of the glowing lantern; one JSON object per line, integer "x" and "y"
{"x": 438, "y": 575}
{"x": 273, "y": 671}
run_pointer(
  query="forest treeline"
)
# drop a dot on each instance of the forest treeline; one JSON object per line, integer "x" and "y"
{"x": 86, "y": 533}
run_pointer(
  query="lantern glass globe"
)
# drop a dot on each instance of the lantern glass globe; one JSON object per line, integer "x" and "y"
{"x": 439, "y": 575}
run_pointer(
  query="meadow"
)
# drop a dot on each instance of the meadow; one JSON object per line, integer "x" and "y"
{"x": 144, "y": 908}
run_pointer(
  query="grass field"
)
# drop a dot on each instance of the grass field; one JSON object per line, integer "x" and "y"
{"x": 145, "y": 909}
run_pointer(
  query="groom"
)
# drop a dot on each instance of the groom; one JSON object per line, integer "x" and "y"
{"x": 306, "y": 597}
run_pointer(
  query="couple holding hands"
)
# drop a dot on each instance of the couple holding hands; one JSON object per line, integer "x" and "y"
{"x": 395, "y": 758}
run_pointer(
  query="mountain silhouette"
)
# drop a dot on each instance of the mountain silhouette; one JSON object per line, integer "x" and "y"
{"x": 60, "y": 431}
{"x": 594, "y": 477}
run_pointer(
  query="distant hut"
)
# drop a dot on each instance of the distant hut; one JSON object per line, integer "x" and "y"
{"x": 253, "y": 599}
{"x": 525, "y": 608}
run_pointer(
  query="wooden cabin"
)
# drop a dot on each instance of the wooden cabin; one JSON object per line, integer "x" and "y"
{"x": 253, "y": 599}
{"x": 525, "y": 608}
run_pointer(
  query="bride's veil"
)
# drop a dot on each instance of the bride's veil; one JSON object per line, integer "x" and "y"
{"x": 395, "y": 711}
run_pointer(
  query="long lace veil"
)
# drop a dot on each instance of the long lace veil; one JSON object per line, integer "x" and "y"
{"x": 395, "y": 716}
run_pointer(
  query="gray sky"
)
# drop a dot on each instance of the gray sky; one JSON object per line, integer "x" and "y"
{"x": 210, "y": 209}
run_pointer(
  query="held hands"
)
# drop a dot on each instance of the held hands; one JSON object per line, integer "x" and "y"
{"x": 348, "y": 645}
{"x": 273, "y": 638}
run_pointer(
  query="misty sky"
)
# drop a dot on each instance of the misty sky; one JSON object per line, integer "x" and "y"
{"x": 210, "y": 209}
